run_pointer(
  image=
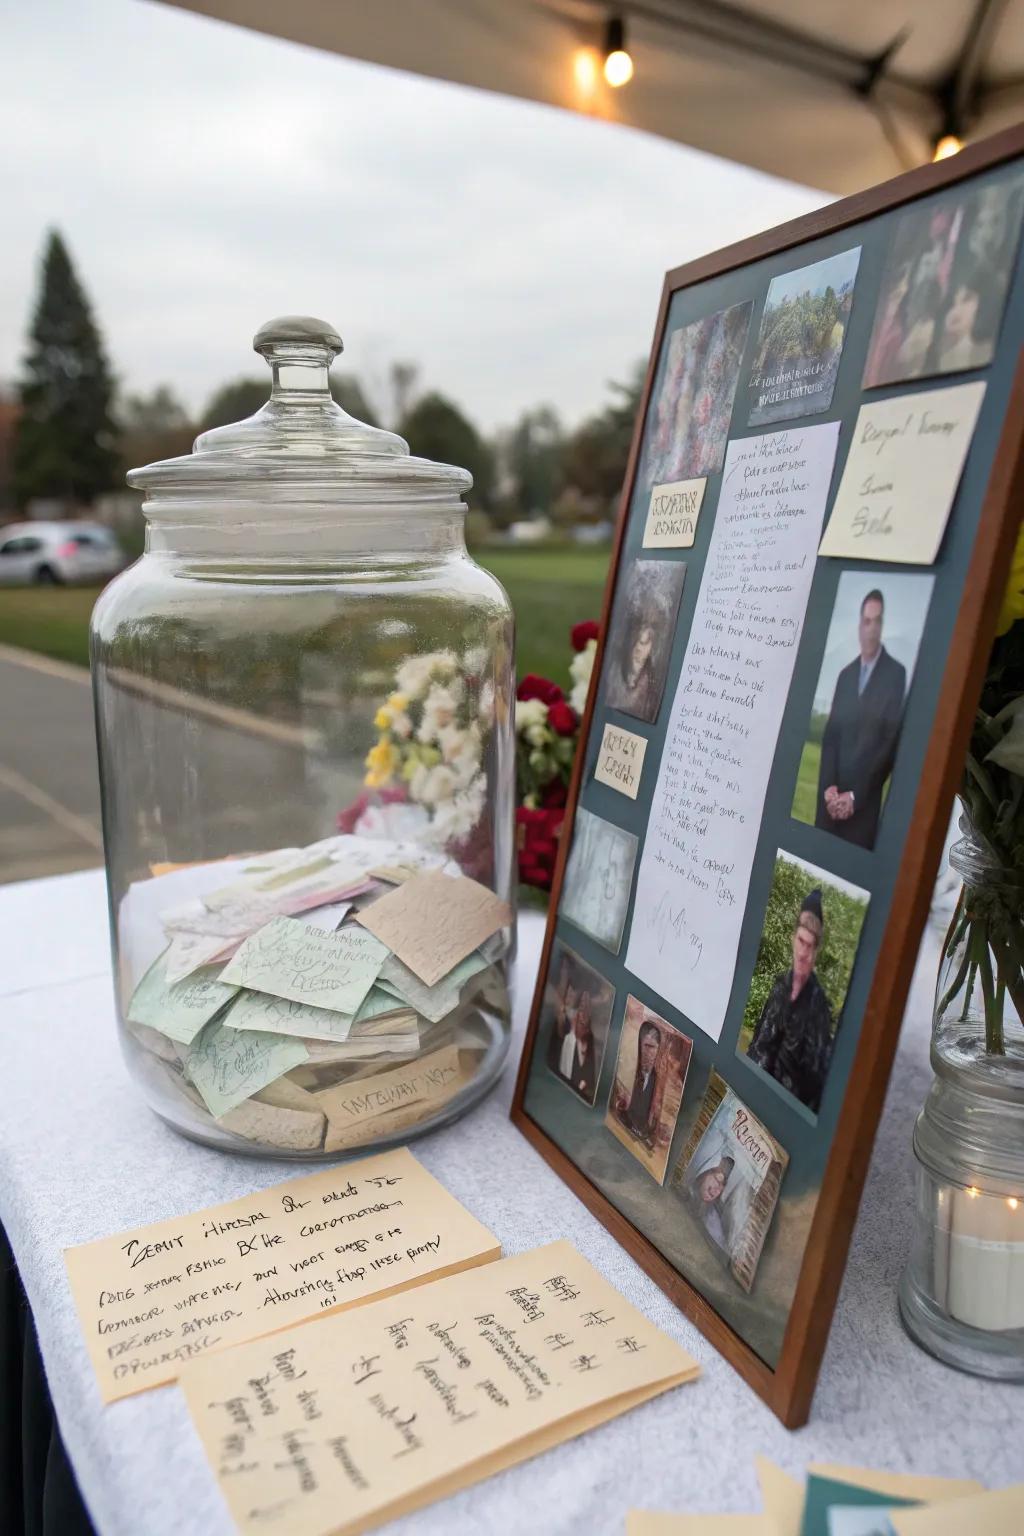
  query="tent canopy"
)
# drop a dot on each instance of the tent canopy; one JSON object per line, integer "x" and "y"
{"x": 833, "y": 94}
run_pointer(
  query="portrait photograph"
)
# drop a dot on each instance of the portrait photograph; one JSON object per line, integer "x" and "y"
{"x": 944, "y": 288}
{"x": 856, "y": 719}
{"x": 689, "y": 420}
{"x": 598, "y": 876}
{"x": 640, "y": 638}
{"x": 794, "y": 1008}
{"x": 803, "y": 328}
{"x": 647, "y": 1090}
{"x": 729, "y": 1175}
{"x": 575, "y": 1019}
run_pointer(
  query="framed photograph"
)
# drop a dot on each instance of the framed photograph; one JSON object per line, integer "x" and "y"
{"x": 575, "y": 1019}
{"x": 647, "y": 1089}
{"x": 779, "y": 735}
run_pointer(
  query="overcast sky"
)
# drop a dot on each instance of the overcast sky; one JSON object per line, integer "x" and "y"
{"x": 207, "y": 178}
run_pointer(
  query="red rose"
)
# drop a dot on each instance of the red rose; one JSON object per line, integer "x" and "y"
{"x": 537, "y": 840}
{"x": 554, "y": 795}
{"x": 534, "y": 687}
{"x": 582, "y": 633}
{"x": 562, "y": 718}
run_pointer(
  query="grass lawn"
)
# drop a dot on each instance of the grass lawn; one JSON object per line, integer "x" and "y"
{"x": 550, "y": 589}
{"x": 806, "y": 797}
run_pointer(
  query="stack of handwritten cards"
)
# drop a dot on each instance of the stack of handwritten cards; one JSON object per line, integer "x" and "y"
{"x": 365, "y": 1417}
{"x": 152, "y": 1299}
{"x": 319, "y": 998}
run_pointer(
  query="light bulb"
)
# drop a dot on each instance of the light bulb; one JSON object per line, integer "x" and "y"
{"x": 947, "y": 145}
{"x": 1012, "y": 1203}
{"x": 618, "y": 68}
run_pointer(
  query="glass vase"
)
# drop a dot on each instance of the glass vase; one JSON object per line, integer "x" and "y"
{"x": 962, "y": 1291}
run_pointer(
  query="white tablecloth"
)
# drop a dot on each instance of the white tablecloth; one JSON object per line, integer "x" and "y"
{"x": 81, "y": 1156}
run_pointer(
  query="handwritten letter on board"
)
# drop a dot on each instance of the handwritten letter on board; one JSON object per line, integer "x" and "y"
{"x": 713, "y": 775}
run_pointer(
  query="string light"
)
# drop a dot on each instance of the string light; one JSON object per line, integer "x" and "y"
{"x": 1012, "y": 1202}
{"x": 585, "y": 69}
{"x": 946, "y": 145}
{"x": 618, "y": 65}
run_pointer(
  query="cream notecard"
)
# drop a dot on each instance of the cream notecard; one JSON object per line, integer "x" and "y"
{"x": 151, "y": 1299}
{"x": 360, "y": 1420}
{"x": 672, "y": 514}
{"x": 999, "y": 1513}
{"x": 352, "y": 1105}
{"x": 433, "y": 921}
{"x": 289, "y": 959}
{"x": 901, "y": 475}
{"x": 620, "y": 760}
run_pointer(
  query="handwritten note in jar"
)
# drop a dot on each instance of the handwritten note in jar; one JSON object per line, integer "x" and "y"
{"x": 901, "y": 475}
{"x": 713, "y": 775}
{"x": 362, "y": 1419}
{"x": 151, "y": 1299}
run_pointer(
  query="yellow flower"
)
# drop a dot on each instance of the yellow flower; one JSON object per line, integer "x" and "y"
{"x": 1013, "y": 597}
{"x": 397, "y": 702}
{"x": 382, "y": 719}
{"x": 381, "y": 761}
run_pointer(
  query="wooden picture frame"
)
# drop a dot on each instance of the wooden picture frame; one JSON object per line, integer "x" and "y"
{"x": 787, "y": 1386}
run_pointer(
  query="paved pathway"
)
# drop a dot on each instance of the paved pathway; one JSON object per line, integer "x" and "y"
{"x": 49, "y": 789}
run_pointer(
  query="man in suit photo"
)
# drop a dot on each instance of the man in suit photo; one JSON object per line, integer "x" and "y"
{"x": 859, "y": 745}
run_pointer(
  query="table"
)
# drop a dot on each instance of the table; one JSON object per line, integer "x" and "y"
{"x": 81, "y": 1156}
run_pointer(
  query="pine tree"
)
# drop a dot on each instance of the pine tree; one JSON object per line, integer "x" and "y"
{"x": 65, "y": 440}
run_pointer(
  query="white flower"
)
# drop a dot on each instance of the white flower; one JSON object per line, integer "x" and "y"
{"x": 401, "y": 726}
{"x": 486, "y": 705}
{"x": 457, "y": 818}
{"x": 580, "y": 668}
{"x": 537, "y": 735}
{"x": 439, "y": 784}
{"x": 438, "y": 712}
{"x": 530, "y": 712}
{"x": 415, "y": 673}
{"x": 474, "y": 660}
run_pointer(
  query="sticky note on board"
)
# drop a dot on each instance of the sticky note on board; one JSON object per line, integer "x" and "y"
{"x": 901, "y": 476}
{"x": 152, "y": 1298}
{"x": 620, "y": 760}
{"x": 672, "y": 514}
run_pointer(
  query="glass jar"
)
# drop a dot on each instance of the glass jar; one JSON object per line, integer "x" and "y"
{"x": 304, "y": 699}
{"x": 962, "y": 1292}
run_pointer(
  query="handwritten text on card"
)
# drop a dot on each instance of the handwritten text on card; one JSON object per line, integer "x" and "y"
{"x": 672, "y": 514}
{"x": 620, "y": 760}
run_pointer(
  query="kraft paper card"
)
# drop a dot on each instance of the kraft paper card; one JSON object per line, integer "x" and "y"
{"x": 999, "y": 1513}
{"x": 351, "y": 1106}
{"x": 363, "y": 1419}
{"x": 784, "y": 1495}
{"x": 152, "y": 1298}
{"x": 672, "y": 514}
{"x": 643, "y": 1522}
{"x": 434, "y": 1003}
{"x": 620, "y": 760}
{"x": 901, "y": 476}
{"x": 327, "y": 970}
{"x": 181, "y": 1009}
{"x": 433, "y": 921}
{"x": 229, "y": 1065}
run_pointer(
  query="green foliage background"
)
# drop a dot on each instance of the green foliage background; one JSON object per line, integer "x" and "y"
{"x": 844, "y": 917}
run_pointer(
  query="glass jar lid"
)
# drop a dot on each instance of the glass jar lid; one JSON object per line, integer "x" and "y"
{"x": 301, "y": 438}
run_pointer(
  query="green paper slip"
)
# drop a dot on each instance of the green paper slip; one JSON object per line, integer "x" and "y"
{"x": 181, "y": 1008}
{"x": 280, "y": 1016}
{"x": 436, "y": 1001}
{"x": 824, "y": 1494}
{"x": 324, "y": 970}
{"x": 230, "y": 1065}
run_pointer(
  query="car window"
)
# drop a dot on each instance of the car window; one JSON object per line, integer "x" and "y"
{"x": 21, "y": 546}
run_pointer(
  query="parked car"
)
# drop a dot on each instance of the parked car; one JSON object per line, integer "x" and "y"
{"x": 50, "y": 554}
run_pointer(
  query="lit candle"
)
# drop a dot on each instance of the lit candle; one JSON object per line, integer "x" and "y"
{"x": 985, "y": 1273}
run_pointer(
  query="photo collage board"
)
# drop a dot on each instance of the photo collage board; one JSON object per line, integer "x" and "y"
{"x": 819, "y": 436}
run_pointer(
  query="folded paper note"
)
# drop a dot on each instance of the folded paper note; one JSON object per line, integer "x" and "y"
{"x": 327, "y": 970}
{"x": 433, "y": 921}
{"x": 180, "y": 1009}
{"x": 363, "y": 1419}
{"x": 901, "y": 476}
{"x": 151, "y": 1299}
{"x": 229, "y": 1065}
{"x": 432, "y": 1002}
{"x": 352, "y": 1106}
